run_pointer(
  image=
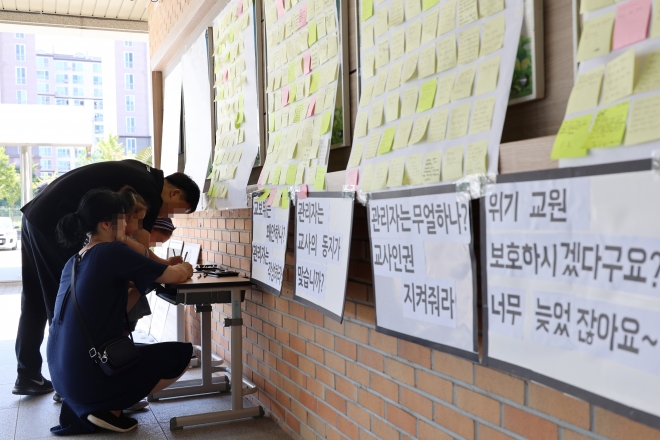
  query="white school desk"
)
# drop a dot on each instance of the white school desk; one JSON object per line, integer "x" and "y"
{"x": 202, "y": 292}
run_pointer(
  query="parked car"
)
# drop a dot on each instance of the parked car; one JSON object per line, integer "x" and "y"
{"x": 8, "y": 234}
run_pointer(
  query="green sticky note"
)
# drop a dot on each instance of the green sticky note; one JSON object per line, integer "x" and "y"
{"x": 311, "y": 33}
{"x": 319, "y": 182}
{"x": 609, "y": 127}
{"x": 293, "y": 91}
{"x": 367, "y": 10}
{"x": 292, "y": 72}
{"x": 276, "y": 199}
{"x": 291, "y": 174}
{"x": 264, "y": 195}
{"x": 387, "y": 140}
{"x": 325, "y": 123}
{"x": 271, "y": 124}
{"x": 570, "y": 138}
{"x": 285, "y": 199}
{"x": 314, "y": 82}
{"x": 428, "y": 4}
{"x": 427, "y": 95}
{"x": 275, "y": 176}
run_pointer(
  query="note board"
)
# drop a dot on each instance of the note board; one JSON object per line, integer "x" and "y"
{"x": 237, "y": 138}
{"x": 435, "y": 79}
{"x": 424, "y": 271}
{"x": 322, "y": 239}
{"x": 270, "y": 226}
{"x": 571, "y": 295}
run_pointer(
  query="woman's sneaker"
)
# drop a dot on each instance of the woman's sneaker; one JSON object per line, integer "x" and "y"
{"x": 109, "y": 421}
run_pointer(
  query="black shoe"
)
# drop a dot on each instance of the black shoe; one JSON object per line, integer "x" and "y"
{"x": 57, "y": 398}
{"x": 107, "y": 420}
{"x": 32, "y": 387}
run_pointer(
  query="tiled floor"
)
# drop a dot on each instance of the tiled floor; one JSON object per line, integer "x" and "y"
{"x": 31, "y": 417}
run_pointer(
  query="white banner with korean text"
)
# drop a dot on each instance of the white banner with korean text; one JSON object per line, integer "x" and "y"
{"x": 270, "y": 228}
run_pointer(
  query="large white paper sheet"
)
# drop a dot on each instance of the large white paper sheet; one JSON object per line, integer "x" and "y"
{"x": 169, "y": 158}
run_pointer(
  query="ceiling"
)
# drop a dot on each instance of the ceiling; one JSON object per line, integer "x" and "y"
{"x": 115, "y": 9}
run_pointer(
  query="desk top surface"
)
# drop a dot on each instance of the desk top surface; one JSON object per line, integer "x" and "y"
{"x": 209, "y": 281}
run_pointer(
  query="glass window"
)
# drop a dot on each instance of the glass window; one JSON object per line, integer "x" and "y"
{"x": 43, "y": 175}
{"x": 130, "y": 125}
{"x": 98, "y": 93}
{"x": 98, "y": 117}
{"x": 78, "y": 79}
{"x": 78, "y": 91}
{"x": 61, "y": 65}
{"x": 130, "y": 103}
{"x": 21, "y": 75}
{"x": 19, "y": 35}
{"x": 43, "y": 75}
{"x": 98, "y": 81}
{"x": 45, "y": 151}
{"x": 77, "y": 67}
{"x": 61, "y": 78}
{"x": 98, "y": 105}
{"x": 81, "y": 152}
{"x": 98, "y": 67}
{"x": 63, "y": 165}
{"x": 46, "y": 164}
{"x": 131, "y": 146}
{"x": 43, "y": 100}
{"x": 128, "y": 60}
{"x": 128, "y": 80}
{"x": 61, "y": 102}
{"x": 62, "y": 91}
{"x": 128, "y": 43}
{"x": 98, "y": 129}
{"x": 63, "y": 152}
{"x": 20, "y": 52}
{"x": 78, "y": 102}
{"x": 43, "y": 87}
{"x": 21, "y": 96}
{"x": 42, "y": 62}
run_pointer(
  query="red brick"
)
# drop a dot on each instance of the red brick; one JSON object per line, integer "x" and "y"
{"x": 385, "y": 431}
{"x": 335, "y": 362}
{"x": 400, "y": 372}
{"x": 415, "y": 353}
{"x": 327, "y": 413}
{"x": 617, "y": 427}
{"x": 346, "y": 388}
{"x": 372, "y": 402}
{"x": 325, "y": 339}
{"x": 437, "y": 386}
{"x": 346, "y": 348}
{"x": 359, "y": 415}
{"x": 358, "y": 374}
{"x": 336, "y": 401}
{"x": 479, "y": 405}
{"x": 385, "y": 387}
{"x": 308, "y": 400}
{"x": 383, "y": 342}
{"x": 370, "y": 358}
{"x": 452, "y": 366}
{"x": 560, "y": 405}
{"x": 453, "y": 421}
{"x": 501, "y": 384}
{"x": 366, "y": 314}
{"x": 348, "y": 428}
{"x": 528, "y": 425}
{"x": 416, "y": 403}
{"x": 314, "y": 317}
{"x": 315, "y": 352}
{"x": 429, "y": 432}
{"x": 357, "y": 332}
{"x": 326, "y": 376}
{"x": 402, "y": 419}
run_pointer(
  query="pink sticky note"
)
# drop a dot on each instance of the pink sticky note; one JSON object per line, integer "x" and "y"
{"x": 312, "y": 105}
{"x": 260, "y": 182}
{"x": 302, "y": 16}
{"x": 239, "y": 9}
{"x": 352, "y": 178}
{"x": 307, "y": 62}
{"x": 271, "y": 196}
{"x": 285, "y": 96}
{"x": 280, "y": 8}
{"x": 225, "y": 77}
{"x": 632, "y": 23}
{"x": 302, "y": 192}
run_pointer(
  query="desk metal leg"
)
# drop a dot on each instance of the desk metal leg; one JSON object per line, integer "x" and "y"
{"x": 237, "y": 411}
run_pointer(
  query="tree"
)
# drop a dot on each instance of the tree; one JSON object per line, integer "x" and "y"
{"x": 145, "y": 156}
{"x": 10, "y": 181}
{"x": 108, "y": 149}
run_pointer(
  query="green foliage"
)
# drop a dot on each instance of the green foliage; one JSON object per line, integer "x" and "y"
{"x": 338, "y": 127}
{"x": 107, "y": 149}
{"x": 10, "y": 181}
{"x": 522, "y": 73}
{"x": 146, "y": 156}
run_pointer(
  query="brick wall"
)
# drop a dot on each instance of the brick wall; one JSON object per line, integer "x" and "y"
{"x": 162, "y": 16}
{"x": 321, "y": 379}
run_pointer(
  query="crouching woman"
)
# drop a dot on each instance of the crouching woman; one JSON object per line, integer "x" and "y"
{"x": 103, "y": 269}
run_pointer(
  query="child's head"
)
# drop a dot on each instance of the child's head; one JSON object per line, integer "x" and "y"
{"x": 136, "y": 209}
{"x": 161, "y": 231}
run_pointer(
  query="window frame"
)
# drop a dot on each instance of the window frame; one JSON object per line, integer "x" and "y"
{"x": 130, "y": 128}
{"x": 19, "y": 94}
{"x": 132, "y": 82}
{"x": 24, "y": 75}
{"x": 133, "y": 149}
{"x": 18, "y": 55}
{"x": 130, "y": 98}
{"x": 126, "y": 56}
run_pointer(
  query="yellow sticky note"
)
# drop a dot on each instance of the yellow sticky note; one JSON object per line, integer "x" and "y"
{"x": 432, "y": 163}
{"x": 380, "y": 178}
{"x": 403, "y": 134}
{"x": 427, "y": 61}
{"x": 446, "y": 53}
{"x": 476, "y": 158}
{"x": 430, "y": 26}
{"x": 319, "y": 181}
{"x": 413, "y": 9}
{"x": 315, "y": 82}
{"x": 428, "y": 4}
{"x": 468, "y": 45}
{"x": 493, "y": 35}
{"x": 490, "y": 7}
{"x": 264, "y": 195}
{"x": 410, "y": 67}
{"x": 452, "y": 166}
{"x": 277, "y": 200}
{"x": 396, "y": 12}
{"x": 365, "y": 97}
{"x": 275, "y": 176}
{"x": 414, "y": 35}
{"x": 458, "y": 123}
{"x": 655, "y": 19}
{"x": 419, "y": 130}
{"x": 482, "y": 116}
{"x": 326, "y": 122}
{"x": 643, "y": 125}
{"x": 409, "y": 101}
{"x": 387, "y": 140}
{"x": 381, "y": 82}
{"x": 438, "y": 126}
{"x": 367, "y": 35}
{"x": 586, "y": 91}
{"x": 619, "y": 77}
{"x": 398, "y": 43}
{"x": 463, "y": 86}
{"x": 467, "y": 12}
{"x": 444, "y": 89}
{"x": 372, "y": 147}
{"x": 570, "y": 138}
{"x": 395, "y": 177}
{"x": 376, "y": 116}
{"x": 427, "y": 95}
{"x": 300, "y": 172}
{"x": 311, "y": 32}
{"x": 413, "y": 172}
{"x": 282, "y": 180}
{"x": 649, "y": 78}
{"x": 596, "y": 38}
{"x": 609, "y": 127}
{"x": 447, "y": 18}
{"x": 487, "y": 77}
{"x": 361, "y": 124}
{"x": 383, "y": 53}
{"x": 368, "y": 64}
{"x": 356, "y": 155}
{"x": 381, "y": 22}
{"x": 291, "y": 174}
{"x": 592, "y": 5}
{"x": 394, "y": 78}
{"x": 366, "y": 9}
{"x": 366, "y": 179}
{"x": 392, "y": 107}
